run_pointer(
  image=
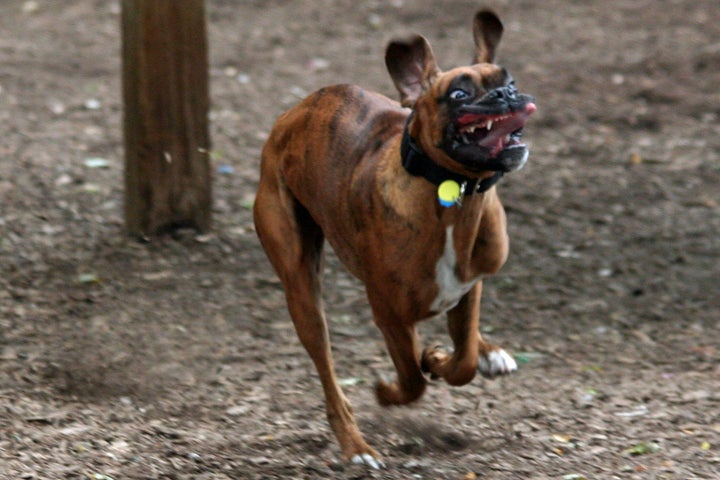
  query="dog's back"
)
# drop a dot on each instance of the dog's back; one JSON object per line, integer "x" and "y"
{"x": 319, "y": 127}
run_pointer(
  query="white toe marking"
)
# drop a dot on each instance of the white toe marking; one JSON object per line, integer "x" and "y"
{"x": 497, "y": 362}
{"x": 367, "y": 459}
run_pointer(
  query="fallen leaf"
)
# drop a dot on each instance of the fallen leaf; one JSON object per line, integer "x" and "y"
{"x": 641, "y": 410}
{"x": 92, "y": 104}
{"x": 643, "y": 448}
{"x": 98, "y": 476}
{"x": 91, "y": 188}
{"x": 97, "y": 162}
{"x": 527, "y": 357}
{"x": 317, "y": 64}
{"x": 238, "y": 410}
{"x": 87, "y": 278}
{"x": 345, "y": 382}
{"x": 31, "y": 6}
{"x": 487, "y": 328}
{"x": 63, "y": 180}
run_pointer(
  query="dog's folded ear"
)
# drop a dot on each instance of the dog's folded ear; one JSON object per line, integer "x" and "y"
{"x": 412, "y": 66}
{"x": 487, "y": 31}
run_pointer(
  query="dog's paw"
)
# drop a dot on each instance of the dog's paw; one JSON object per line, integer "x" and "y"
{"x": 367, "y": 459}
{"x": 496, "y": 362}
{"x": 432, "y": 357}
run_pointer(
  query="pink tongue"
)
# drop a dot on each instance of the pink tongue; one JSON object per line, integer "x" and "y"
{"x": 497, "y": 138}
{"x": 494, "y": 143}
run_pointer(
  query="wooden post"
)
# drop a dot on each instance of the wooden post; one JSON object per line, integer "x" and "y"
{"x": 166, "y": 101}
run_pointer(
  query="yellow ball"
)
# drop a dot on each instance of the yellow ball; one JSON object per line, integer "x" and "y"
{"x": 448, "y": 193}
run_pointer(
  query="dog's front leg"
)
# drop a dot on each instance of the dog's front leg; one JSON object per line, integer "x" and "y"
{"x": 471, "y": 352}
{"x": 459, "y": 367}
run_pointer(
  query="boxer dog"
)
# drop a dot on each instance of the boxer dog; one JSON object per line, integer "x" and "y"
{"x": 405, "y": 195}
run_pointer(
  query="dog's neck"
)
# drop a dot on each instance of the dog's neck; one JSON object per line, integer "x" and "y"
{"x": 417, "y": 163}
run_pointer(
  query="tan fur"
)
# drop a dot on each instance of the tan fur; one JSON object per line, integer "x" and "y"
{"x": 331, "y": 170}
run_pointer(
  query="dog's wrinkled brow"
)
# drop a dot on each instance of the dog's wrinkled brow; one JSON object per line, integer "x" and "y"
{"x": 463, "y": 81}
{"x": 498, "y": 79}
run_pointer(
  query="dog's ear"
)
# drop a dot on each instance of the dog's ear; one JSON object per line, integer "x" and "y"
{"x": 412, "y": 66}
{"x": 487, "y": 30}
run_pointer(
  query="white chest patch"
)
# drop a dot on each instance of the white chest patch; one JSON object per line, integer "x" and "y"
{"x": 450, "y": 288}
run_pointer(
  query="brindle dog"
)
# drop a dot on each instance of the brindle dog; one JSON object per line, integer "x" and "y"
{"x": 406, "y": 198}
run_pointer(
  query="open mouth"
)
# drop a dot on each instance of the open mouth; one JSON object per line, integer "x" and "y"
{"x": 493, "y": 132}
{"x": 487, "y": 138}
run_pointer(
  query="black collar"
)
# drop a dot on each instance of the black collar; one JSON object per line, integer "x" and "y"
{"x": 420, "y": 165}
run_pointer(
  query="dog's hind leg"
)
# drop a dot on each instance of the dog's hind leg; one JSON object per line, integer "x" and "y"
{"x": 402, "y": 343}
{"x": 293, "y": 242}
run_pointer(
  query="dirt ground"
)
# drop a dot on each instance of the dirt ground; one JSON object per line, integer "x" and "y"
{"x": 176, "y": 359}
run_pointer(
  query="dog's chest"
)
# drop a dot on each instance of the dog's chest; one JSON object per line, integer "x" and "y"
{"x": 450, "y": 288}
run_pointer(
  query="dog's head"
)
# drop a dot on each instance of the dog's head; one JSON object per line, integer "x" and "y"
{"x": 470, "y": 118}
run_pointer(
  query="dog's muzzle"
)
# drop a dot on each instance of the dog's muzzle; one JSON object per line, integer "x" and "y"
{"x": 486, "y": 134}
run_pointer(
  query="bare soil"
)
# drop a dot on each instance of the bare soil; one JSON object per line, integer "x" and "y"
{"x": 176, "y": 359}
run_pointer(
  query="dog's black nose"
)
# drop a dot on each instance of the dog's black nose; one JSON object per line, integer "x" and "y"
{"x": 503, "y": 93}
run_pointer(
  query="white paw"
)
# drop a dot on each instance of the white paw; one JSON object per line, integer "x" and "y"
{"x": 497, "y": 362}
{"x": 367, "y": 459}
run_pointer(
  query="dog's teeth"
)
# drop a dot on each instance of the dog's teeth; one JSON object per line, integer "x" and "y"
{"x": 465, "y": 139}
{"x": 489, "y": 124}
{"x": 472, "y": 128}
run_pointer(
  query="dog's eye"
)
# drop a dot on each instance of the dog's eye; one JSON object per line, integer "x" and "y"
{"x": 458, "y": 94}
